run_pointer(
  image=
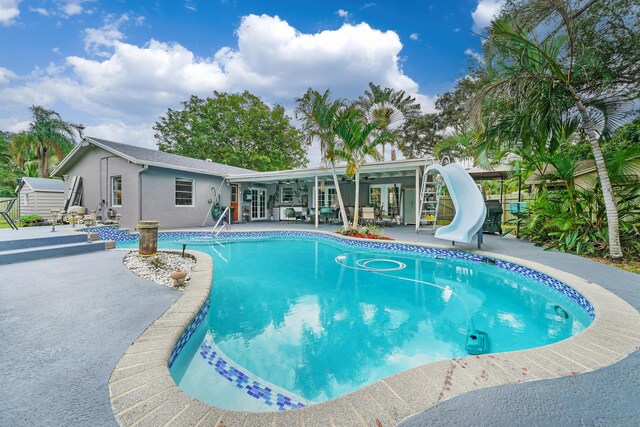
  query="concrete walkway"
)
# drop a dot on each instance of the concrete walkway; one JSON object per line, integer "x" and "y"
{"x": 64, "y": 324}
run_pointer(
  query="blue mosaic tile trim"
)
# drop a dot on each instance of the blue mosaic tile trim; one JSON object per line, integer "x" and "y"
{"x": 112, "y": 232}
{"x": 379, "y": 245}
{"x": 552, "y": 283}
{"x": 241, "y": 380}
{"x": 200, "y": 316}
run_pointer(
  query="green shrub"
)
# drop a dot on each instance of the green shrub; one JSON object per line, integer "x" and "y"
{"x": 30, "y": 220}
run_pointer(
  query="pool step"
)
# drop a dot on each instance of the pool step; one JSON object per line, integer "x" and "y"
{"x": 33, "y": 242}
{"x": 48, "y": 250}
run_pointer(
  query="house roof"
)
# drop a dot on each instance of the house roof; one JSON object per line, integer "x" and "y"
{"x": 376, "y": 169}
{"x": 583, "y": 167}
{"x": 386, "y": 169}
{"x": 146, "y": 156}
{"x": 42, "y": 184}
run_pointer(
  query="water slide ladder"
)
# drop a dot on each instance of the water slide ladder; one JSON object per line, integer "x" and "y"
{"x": 429, "y": 199}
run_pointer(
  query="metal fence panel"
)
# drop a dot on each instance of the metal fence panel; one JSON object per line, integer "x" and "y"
{"x": 14, "y": 213}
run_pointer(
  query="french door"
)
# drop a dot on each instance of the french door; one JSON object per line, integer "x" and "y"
{"x": 258, "y": 204}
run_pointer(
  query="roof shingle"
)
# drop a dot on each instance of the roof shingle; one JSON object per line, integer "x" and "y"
{"x": 145, "y": 155}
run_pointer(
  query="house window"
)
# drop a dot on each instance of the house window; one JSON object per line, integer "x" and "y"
{"x": 26, "y": 199}
{"x": 375, "y": 196}
{"x": 384, "y": 195}
{"x": 184, "y": 191}
{"x": 116, "y": 191}
{"x": 286, "y": 194}
{"x": 234, "y": 194}
{"x": 328, "y": 197}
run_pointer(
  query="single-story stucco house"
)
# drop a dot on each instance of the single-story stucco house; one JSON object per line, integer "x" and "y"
{"x": 143, "y": 184}
{"x": 38, "y": 196}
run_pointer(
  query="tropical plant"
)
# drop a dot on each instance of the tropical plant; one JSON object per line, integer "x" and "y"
{"x": 359, "y": 139}
{"x": 318, "y": 114}
{"x": 51, "y": 135}
{"x": 556, "y": 89}
{"x": 573, "y": 218}
{"x": 386, "y": 107}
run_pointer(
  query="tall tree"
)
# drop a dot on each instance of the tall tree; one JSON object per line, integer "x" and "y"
{"x": 359, "y": 139}
{"x": 51, "y": 135}
{"x": 419, "y": 135}
{"x": 557, "y": 83}
{"x": 318, "y": 114}
{"x": 387, "y": 107}
{"x": 234, "y": 129}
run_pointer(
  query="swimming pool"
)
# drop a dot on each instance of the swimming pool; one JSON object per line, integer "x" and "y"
{"x": 296, "y": 319}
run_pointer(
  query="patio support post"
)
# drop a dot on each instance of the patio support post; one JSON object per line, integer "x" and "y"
{"x": 504, "y": 211}
{"x": 417, "y": 198}
{"x": 316, "y": 211}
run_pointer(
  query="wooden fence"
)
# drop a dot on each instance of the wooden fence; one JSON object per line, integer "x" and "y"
{"x": 447, "y": 211}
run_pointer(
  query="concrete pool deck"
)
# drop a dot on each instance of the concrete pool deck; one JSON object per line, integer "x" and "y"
{"x": 64, "y": 324}
{"x": 614, "y": 334}
{"x": 567, "y": 400}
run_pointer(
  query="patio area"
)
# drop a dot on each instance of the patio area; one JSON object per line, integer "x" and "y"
{"x": 69, "y": 325}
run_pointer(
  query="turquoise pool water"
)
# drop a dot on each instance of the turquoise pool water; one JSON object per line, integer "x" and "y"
{"x": 310, "y": 320}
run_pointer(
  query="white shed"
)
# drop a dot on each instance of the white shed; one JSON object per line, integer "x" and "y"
{"x": 38, "y": 196}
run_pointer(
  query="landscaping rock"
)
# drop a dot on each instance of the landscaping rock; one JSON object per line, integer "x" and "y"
{"x": 158, "y": 268}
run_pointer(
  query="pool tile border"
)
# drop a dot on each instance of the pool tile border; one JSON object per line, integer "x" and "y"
{"x": 142, "y": 391}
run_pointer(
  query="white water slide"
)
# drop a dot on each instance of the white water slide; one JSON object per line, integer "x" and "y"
{"x": 468, "y": 202}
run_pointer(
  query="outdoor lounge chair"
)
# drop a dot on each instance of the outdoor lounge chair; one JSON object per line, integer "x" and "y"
{"x": 368, "y": 215}
{"x": 6, "y": 212}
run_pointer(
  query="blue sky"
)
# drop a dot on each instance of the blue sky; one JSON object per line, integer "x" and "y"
{"x": 116, "y": 66}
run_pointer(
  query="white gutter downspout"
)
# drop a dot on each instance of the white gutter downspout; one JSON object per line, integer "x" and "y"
{"x": 140, "y": 172}
{"x": 315, "y": 201}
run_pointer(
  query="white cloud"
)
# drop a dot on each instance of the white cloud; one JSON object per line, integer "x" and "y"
{"x": 96, "y": 39}
{"x": 414, "y": 36}
{"x": 5, "y": 75}
{"x": 140, "y": 134}
{"x": 40, "y": 11}
{"x": 475, "y": 55}
{"x": 9, "y": 11}
{"x": 484, "y": 14}
{"x": 367, "y": 5}
{"x": 342, "y": 13}
{"x": 13, "y": 125}
{"x": 189, "y": 5}
{"x": 74, "y": 7}
{"x": 122, "y": 93}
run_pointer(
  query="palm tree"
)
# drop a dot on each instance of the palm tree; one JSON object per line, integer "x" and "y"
{"x": 51, "y": 134}
{"x": 23, "y": 153}
{"x": 386, "y": 107}
{"x": 318, "y": 113}
{"x": 359, "y": 138}
{"x": 552, "y": 87}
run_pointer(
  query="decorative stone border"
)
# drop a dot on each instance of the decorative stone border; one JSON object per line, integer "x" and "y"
{"x": 142, "y": 391}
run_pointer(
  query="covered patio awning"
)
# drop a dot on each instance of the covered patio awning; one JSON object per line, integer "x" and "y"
{"x": 398, "y": 168}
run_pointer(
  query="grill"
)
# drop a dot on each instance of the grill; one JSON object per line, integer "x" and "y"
{"x": 493, "y": 222}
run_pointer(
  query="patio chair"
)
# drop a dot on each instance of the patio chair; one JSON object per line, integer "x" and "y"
{"x": 368, "y": 215}
{"x": 6, "y": 213}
